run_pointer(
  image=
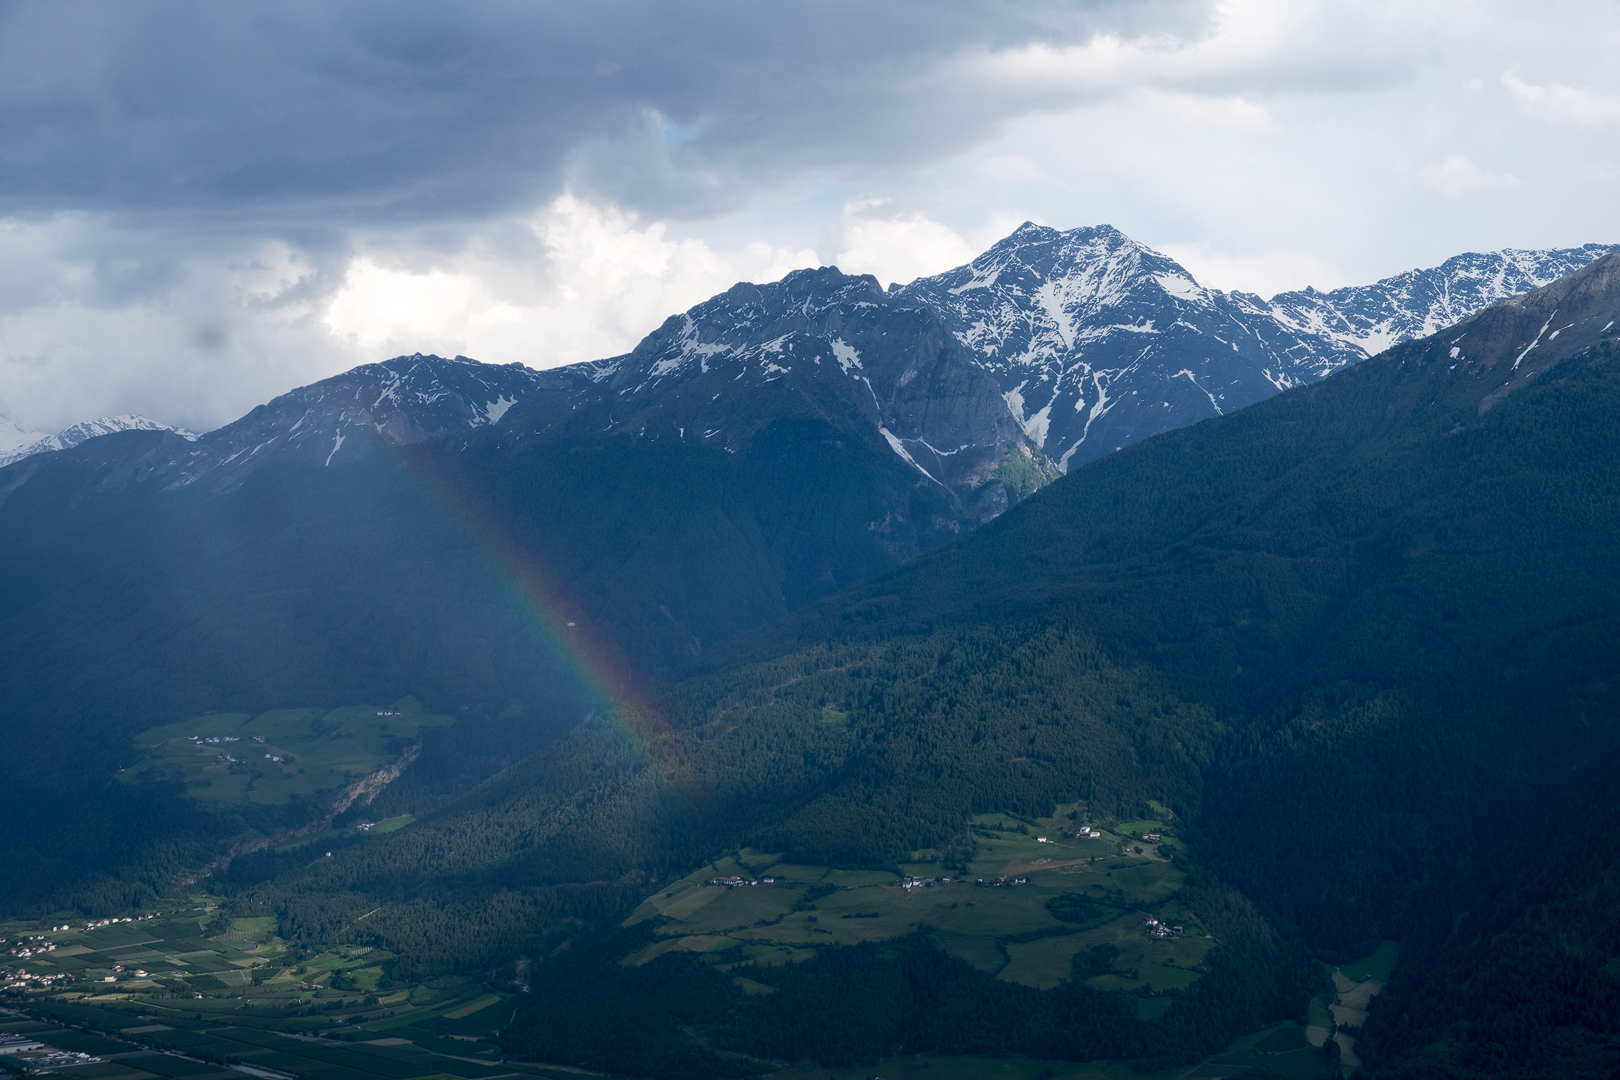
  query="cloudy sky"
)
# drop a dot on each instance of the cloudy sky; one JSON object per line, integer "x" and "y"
{"x": 204, "y": 204}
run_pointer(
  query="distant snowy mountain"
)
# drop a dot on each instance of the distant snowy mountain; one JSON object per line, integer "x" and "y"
{"x": 1098, "y": 341}
{"x": 13, "y": 437}
{"x": 1367, "y": 319}
{"x": 78, "y": 433}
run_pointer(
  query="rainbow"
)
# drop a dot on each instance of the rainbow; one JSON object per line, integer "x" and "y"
{"x": 598, "y": 669}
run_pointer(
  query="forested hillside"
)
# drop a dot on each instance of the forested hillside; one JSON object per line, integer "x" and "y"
{"x": 442, "y": 573}
{"x": 1354, "y": 637}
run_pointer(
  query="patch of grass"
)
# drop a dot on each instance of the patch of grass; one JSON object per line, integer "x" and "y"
{"x": 388, "y": 825}
{"x": 1281, "y": 1040}
{"x": 1317, "y": 1015}
{"x": 1004, "y": 930}
{"x": 280, "y": 755}
{"x": 1377, "y": 966}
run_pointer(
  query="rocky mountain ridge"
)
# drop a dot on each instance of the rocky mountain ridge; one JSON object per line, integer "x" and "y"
{"x": 1097, "y": 341}
{"x": 1050, "y": 349}
{"x": 398, "y": 402}
{"x": 817, "y": 344}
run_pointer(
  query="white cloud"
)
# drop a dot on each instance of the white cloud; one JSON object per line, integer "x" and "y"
{"x": 1268, "y": 144}
{"x": 1563, "y": 104}
{"x": 574, "y": 282}
{"x": 1457, "y": 174}
{"x": 1266, "y": 272}
{"x": 896, "y": 246}
{"x": 94, "y": 323}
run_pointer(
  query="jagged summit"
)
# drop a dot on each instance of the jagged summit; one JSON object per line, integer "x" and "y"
{"x": 817, "y": 344}
{"x": 1098, "y": 341}
{"x": 1370, "y": 318}
{"x": 407, "y": 399}
{"x": 1050, "y": 349}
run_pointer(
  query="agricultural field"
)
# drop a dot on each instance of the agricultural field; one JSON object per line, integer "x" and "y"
{"x": 194, "y": 996}
{"x": 280, "y": 755}
{"x": 1058, "y": 897}
{"x": 149, "y": 1041}
{"x": 1340, "y": 1016}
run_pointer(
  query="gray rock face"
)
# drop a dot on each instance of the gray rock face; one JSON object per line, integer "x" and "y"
{"x": 818, "y": 343}
{"x": 1505, "y": 347}
{"x": 1097, "y": 341}
{"x": 405, "y": 400}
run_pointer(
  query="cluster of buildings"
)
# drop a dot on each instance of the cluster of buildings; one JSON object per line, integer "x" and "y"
{"x": 21, "y": 980}
{"x": 1088, "y": 833}
{"x": 54, "y": 1059}
{"x": 734, "y": 881}
{"x": 1004, "y": 882}
{"x": 94, "y": 924}
{"x": 909, "y": 883}
{"x": 1157, "y": 929}
{"x": 23, "y": 952}
{"x": 215, "y": 740}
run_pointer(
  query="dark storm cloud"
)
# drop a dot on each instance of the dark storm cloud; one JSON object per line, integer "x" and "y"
{"x": 412, "y": 111}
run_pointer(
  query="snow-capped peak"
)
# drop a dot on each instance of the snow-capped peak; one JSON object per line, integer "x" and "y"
{"x": 88, "y": 429}
{"x": 1097, "y": 340}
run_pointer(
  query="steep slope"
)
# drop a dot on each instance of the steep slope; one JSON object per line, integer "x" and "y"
{"x": 1098, "y": 341}
{"x": 1353, "y": 636}
{"x": 406, "y": 400}
{"x": 818, "y": 344}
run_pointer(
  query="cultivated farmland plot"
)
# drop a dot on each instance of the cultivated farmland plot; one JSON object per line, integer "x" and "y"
{"x": 997, "y": 913}
{"x": 280, "y": 755}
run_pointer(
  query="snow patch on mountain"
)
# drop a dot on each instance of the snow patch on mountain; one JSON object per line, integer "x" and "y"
{"x": 1098, "y": 341}
{"x": 88, "y": 429}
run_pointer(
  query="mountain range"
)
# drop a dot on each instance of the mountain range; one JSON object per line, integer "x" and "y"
{"x": 1091, "y": 339}
{"x": 848, "y": 576}
{"x": 1097, "y": 341}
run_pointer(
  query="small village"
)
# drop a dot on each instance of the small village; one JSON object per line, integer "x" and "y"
{"x": 1157, "y": 929}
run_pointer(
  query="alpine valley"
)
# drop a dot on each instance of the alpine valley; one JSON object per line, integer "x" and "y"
{"x": 1051, "y": 668}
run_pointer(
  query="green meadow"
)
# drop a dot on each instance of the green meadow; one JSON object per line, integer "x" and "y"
{"x": 280, "y": 755}
{"x": 1008, "y": 930}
